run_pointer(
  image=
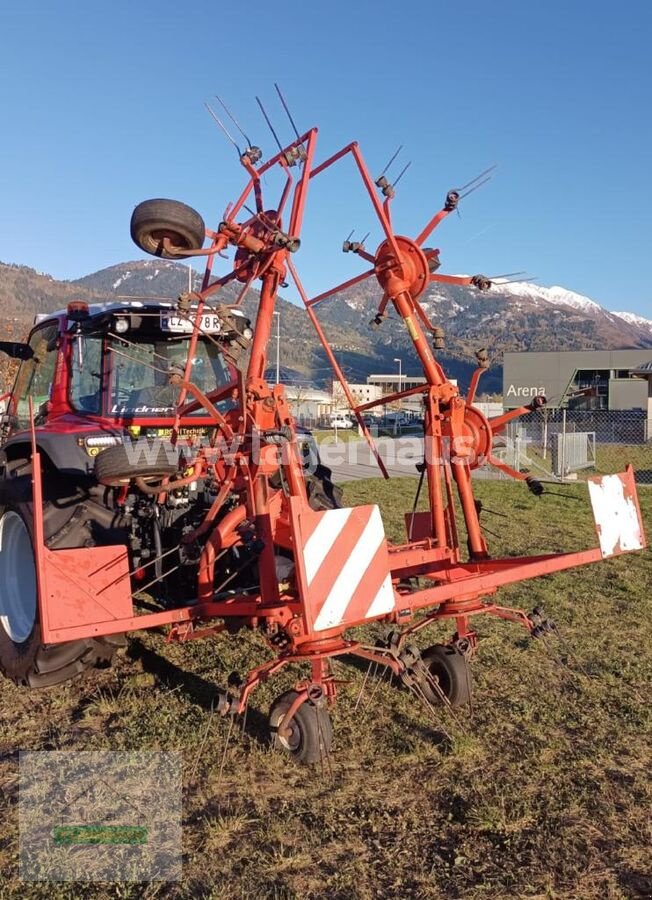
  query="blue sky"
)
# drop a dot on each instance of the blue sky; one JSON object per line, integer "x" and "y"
{"x": 102, "y": 106}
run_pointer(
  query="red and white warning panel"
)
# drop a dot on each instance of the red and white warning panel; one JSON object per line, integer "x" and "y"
{"x": 616, "y": 512}
{"x": 343, "y": 565}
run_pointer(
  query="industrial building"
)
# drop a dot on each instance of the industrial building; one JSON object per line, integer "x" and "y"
{"x": 584, "y": 379}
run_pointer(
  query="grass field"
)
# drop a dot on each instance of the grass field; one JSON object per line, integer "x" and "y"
{"x": 543, "y": 790}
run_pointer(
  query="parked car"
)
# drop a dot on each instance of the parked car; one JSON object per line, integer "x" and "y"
{"x": 341, "y": 421}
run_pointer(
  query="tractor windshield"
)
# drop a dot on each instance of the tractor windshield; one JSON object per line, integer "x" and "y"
{"x": 134, "y": 375}
{"x": 140, "y": 385}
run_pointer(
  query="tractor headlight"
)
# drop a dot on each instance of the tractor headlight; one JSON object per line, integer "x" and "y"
{"x": 97, "y": 443}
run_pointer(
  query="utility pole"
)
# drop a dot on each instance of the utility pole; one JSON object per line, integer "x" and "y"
{"x": 400, "y": 385}
{"x": 278, "y": 347}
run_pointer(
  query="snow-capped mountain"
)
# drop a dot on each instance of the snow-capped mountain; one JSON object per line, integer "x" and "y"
{"x": 634, "y": 319}
{"x": 556, "y": 295}
{"x": 516, "y": 316}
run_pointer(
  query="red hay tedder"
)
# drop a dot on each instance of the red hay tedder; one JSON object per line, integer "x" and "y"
{"x": 150, "y": 480}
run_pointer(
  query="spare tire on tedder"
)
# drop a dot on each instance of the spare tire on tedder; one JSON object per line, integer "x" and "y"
{"x": 156, "y": 221}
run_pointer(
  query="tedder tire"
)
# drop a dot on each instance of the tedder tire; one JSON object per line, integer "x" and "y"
{"x": 311, "y": 731}
{"x": 24, "y": 658}
{"x": 154, "y": 220}
{"x": 117, "y": 466}
{"x": 451, "y": 671}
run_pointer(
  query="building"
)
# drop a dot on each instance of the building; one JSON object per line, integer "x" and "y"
{"x": 390, "y": 384}
{"x": 363, "y": 393}
{"x": 308, "y": 404}
{"x": 583, "y": 379}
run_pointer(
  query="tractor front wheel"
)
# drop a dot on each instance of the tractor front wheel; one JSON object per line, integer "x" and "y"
{"x": 308, "y": 736}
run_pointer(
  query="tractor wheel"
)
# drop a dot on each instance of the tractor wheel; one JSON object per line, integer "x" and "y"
{"x": 24, "y": 658}
{"x": 452, "y": 673}
{"x": 154, "y": 220}
{"x": 310, "y": 734}
{"x": 322, "y": 493}
{"x": 117, "y": 466}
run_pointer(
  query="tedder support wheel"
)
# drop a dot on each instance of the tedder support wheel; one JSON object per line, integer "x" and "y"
{"x": 153, "y": 221}
{"x": 24, "y": 658}
{"x": 451, "y": 671}
{"x": 309, "y": 734}
{"x": 152, "y": 461}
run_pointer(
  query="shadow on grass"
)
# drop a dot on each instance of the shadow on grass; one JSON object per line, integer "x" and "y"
{"x": 199, "y": 691}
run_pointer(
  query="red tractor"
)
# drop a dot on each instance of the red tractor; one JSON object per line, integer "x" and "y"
{"x": 153, "y": 477}
{"x": 98, "y": 377}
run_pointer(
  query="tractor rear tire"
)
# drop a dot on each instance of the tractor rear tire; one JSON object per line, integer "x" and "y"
{"x": 24, "y": 658}
{"x": 116, "y": 466}
{"x": 154, "y": 220}
{"x": 451, "y": 671}
{"x": 310, "y": 730}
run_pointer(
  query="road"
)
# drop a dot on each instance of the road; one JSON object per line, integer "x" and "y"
{"x": 354, "y": 460}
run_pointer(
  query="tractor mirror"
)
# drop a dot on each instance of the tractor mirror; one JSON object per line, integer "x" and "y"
{"x": 16, "y": 350}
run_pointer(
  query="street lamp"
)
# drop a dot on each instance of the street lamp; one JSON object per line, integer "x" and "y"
{"x": 400, "y": 375}
{"x": 400, "y": 385}
{"x": 278, "y": 347}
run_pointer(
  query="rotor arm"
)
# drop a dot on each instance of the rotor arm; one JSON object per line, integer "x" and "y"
{"x": 499, "y": 422}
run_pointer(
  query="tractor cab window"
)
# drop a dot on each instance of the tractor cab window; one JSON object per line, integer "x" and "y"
{"x": 86, "y": 374}
{"x": 36, "y": 375}
{"x": 139, "y": 385}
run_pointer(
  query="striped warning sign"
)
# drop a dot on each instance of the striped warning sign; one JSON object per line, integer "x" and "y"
{"x": 345, "y": 576}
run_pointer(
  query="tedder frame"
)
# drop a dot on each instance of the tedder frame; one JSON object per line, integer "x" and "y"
{"x": 345, "y": 572}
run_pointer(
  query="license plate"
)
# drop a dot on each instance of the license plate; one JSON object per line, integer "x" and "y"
{"x": 208, "y": 322}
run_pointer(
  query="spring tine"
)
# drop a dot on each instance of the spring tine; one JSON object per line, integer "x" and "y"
{"x": 365, "y": 237}
{"x": 402, "y": 172}
{"x": 427, "y": 705}
{"x": 391, "y": 160}
{"x": 563, "y": 496}
{"x": 475, "y": 187}
{"x": 287, "y": 110}
{"x": 203, "y": 741}
{"x": 223, "y": 127}
{"x": 514, "y": 281}
{"x": 350, "y": 235}
{"x": 374, "y": 689}
{"x": 494, "y": 512}
{"x": 226, "y": 747}
{"x": 323, "y": 755}
{"x": 364, "y": 684}
{"x": 233, "y": 119}
{"x": 505, "y": 275}
{"x": 269, "y": 124}
{"x": 477, "y": 178}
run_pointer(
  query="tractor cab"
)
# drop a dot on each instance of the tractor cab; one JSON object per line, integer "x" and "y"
{"x": 92, "y": 373}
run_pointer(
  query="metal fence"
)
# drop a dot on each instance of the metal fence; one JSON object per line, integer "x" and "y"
{"x": 573, "y": 444}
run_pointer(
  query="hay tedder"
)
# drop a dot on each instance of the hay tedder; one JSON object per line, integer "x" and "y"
{"x": 153, "y": 477}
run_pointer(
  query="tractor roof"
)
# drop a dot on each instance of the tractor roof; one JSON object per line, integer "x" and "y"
{"x": 97, "y": 309}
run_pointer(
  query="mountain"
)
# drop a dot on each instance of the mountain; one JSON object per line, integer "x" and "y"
{"x": 633, "y": 319}
{"x": 516, "y": 316}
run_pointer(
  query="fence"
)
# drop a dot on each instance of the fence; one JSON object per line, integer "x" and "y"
{"x": 572, "y": 444}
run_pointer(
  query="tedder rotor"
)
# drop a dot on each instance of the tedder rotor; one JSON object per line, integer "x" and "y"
{"x": 313, "y": 571}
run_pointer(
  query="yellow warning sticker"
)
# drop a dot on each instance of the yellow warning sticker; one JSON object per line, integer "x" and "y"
{"x": 414, "y": 334}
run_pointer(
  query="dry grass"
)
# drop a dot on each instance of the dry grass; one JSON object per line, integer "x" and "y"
{"x": 543, "y": 792}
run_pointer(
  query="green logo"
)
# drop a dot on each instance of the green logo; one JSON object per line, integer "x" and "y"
{"x": 67, "y": 835}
